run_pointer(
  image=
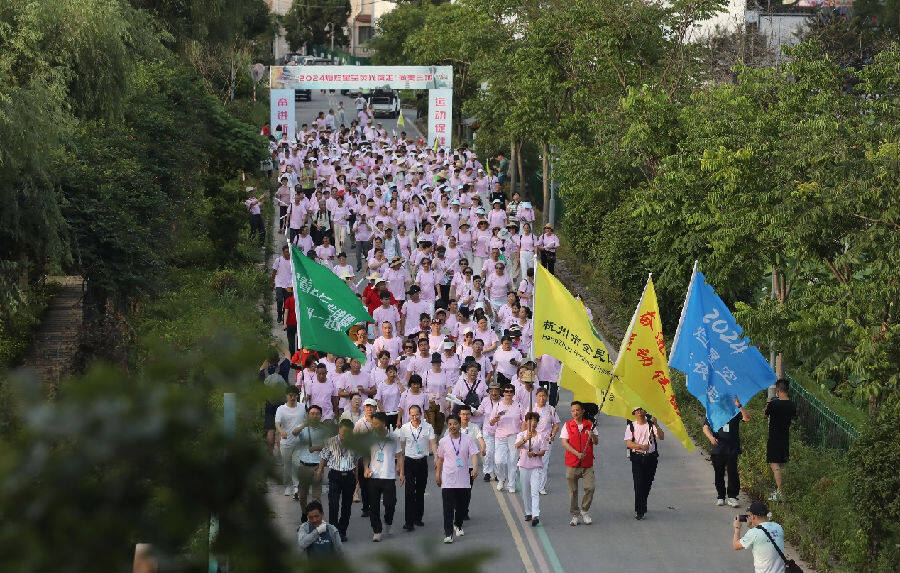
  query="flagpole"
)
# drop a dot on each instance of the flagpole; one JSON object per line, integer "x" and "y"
{"x": 633, "y": 320}
{"x": 687, "y": 297}
{"x": 296, "y": 299}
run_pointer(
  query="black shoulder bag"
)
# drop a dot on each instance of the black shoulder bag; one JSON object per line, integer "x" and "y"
{"x": 789, "y": 565}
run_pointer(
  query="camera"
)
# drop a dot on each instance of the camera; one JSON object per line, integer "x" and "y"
{"x": 743, "y": 517}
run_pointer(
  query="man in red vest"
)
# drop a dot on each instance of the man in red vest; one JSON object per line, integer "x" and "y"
{"x": 578, "y": 438}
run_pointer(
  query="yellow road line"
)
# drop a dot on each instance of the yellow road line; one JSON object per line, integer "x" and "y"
{"x": 517, "y": 538}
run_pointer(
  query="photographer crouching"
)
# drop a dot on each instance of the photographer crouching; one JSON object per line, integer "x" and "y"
{"x": 640, "y": 439}
{"x": 764, "y": 539}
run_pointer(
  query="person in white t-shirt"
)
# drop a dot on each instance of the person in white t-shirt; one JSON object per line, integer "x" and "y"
{"x": 288, "y": 416}
{"x": 382, "y": 466}
{"x": 768, "y": 549}
{"x": 418, "y": 440}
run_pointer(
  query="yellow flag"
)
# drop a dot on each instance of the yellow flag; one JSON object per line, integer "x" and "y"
{"x": 642, "y": 372}
{"x": 563, "y": 330}
{"x": 400, "y": 121}
{"x": 436, "y": 144}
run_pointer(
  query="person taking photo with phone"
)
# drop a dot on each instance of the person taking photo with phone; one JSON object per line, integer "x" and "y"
{"x": 764, "y": 539}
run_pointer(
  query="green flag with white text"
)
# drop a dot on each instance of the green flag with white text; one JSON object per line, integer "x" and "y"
{"x": 326, "y": 308}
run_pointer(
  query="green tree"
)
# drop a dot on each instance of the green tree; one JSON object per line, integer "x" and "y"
{"x": 306, "y": 23}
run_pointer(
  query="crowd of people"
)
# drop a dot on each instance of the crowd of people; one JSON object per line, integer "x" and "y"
{"x": 443, "y": 259}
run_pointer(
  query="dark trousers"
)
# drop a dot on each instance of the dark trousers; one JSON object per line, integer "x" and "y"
{"x": 454, "y": 500}
{"x": 363, "y": 485}
{"x": 722, "y": 463}
{"x": 293, "y": 233}
{"x": 643, "y": 470}
{"x": 552, "y": 392}
{"x": 292, "y": 339}
{"x": 378, "y": 489}
{"x": 317, "y": 235}
{"x": 548, "y": 260}
{"x": 392, "y": 420}
{"x": 445, "y": 292}
{"x": 468, "y": 498}
{"x": 258, "y": 228}
{"x": 341, "y": 486}
{"x": 280, "y": 295}
{"x": 282, "y": 216}
{"x": 416, "y": 472}
{"x": 362, "y": 249}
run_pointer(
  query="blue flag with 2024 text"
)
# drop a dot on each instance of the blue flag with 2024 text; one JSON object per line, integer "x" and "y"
{"x": 717, "y": 360}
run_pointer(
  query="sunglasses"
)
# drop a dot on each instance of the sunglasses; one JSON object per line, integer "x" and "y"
{"x": 507, "y": 391}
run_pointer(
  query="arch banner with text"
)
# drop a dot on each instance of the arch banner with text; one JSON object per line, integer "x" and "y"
{"x": 438, "y": 80}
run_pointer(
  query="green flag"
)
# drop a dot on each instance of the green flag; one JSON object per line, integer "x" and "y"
{"x": 326, "y": 308}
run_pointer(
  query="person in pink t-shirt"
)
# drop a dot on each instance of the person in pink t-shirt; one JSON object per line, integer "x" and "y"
{"x": 548, "y": 372}
{"x": 506, "y": 417}
{"x": 548, "y": 427}
{"x": 532, "y": 446}
{"x": 456, "y": 462}
{"x": 323, "y": 393}
{"x": 413, "y": 396}
{"x": 387, "y": 313}
{"x": 412, "y": 310}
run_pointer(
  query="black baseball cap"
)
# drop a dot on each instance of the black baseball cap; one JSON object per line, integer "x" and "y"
{"x": 758, "y": 508}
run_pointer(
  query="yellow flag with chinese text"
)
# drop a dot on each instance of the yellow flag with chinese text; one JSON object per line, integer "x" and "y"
{"x": 563, "y": 330}
{"x": 641, "y": 372}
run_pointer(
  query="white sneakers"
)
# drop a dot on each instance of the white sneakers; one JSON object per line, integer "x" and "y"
{"x": 543, "y": 492}
{"x": 448, "y": 539}
{"x": 586, "y": 518}
{"x": 458, "y": 531}
{"x": 500, "y": 485}
{"x": 387, "y": 528}
{"x": 776, "y": 496}
{"x": 720, "y": 502}
{"x": 733, "y": 502}
{"x": 511, "y": 489}
{"x": 376, "y": 537}
{"x": 289, "y": 491}
{"x": 574, "y": 521}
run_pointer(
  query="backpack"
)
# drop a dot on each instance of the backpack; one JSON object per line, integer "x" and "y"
{"x": 472, "y": 399}
{"x": 789, "y": 565}
{"x": 628, "y": 451}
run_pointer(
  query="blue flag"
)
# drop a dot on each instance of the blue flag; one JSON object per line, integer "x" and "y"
{"x": 718, "y": 361}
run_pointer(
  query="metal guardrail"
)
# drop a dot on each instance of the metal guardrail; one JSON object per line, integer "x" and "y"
{"x": 819, "y": 424}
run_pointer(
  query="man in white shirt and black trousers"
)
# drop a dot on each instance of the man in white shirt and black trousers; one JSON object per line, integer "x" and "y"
{"x": 383, "y": 466}
{"x": 641, "y": 436}
{"x": 417, "y": 439}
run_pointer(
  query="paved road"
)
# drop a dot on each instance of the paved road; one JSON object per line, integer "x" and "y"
{"x": 683, "y": 531}
{"x": 307, "y": 111}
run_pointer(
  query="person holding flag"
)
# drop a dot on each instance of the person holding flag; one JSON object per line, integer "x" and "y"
{"x": 329, "y": 308}
{"x": 579, "y": 436}
{"x": 726, "y": 447}
{"x": 723, "y": 371}
{"x": 641, "y": 374}
{"x": 532, "y": 446}
{"x": 641, "y": 438}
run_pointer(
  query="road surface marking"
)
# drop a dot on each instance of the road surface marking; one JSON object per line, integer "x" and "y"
{"x": 517, "y": 538}
{"x": 535, "y": 548}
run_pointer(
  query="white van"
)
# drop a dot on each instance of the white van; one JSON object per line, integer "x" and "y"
{"x": 385, "y": 104}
